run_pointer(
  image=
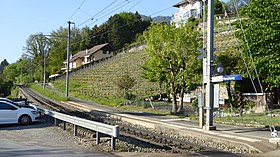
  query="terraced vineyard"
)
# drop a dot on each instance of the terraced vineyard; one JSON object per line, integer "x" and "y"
{"x": 99, "y": 81}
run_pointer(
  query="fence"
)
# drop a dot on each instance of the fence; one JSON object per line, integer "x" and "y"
{"x": 106, "y": 129}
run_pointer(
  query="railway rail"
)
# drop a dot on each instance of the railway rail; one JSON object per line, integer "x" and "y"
{"x": 140, "y": 134}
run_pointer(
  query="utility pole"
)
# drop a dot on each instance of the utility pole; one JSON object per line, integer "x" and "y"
{"x": 210, "y": 56}
{"x": 44, "y": 83}
{"x": 68, "y": 58}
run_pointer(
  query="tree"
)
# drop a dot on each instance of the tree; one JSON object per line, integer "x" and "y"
{"x": 3, "y": 64}
{"x": 126, "y": 82}
{"x": 38, "y": 46}
{"x": 58, "y": 51}
{"x": 172, "y": 53}
{"x": 218, "y": 7}
{"x": 123, "y": 28}
{"x": 261, "y": 29}
{"x": 233, "y": 64}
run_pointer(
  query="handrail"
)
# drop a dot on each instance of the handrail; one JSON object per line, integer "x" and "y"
{"x": 113, "y": 131}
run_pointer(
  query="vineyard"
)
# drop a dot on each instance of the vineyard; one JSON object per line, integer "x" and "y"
{"x": 100, "y": 80}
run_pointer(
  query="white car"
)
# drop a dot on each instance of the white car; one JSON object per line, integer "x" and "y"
{"x": 11, "y": 112}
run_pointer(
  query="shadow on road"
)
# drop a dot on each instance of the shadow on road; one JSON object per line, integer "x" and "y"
{"x": 40, "y": 124}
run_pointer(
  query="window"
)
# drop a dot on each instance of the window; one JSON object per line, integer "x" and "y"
{"x": 193, "y": 13}
{"x": 4, "y": 106}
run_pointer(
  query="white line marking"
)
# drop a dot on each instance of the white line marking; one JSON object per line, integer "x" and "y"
{"x": 173, "y": 120}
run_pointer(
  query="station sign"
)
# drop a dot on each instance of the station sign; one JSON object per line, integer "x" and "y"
{"x": 225, "y": 78}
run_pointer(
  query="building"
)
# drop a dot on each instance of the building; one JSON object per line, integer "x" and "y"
{"x": 187, "y": 9}
{"x": 89, "y": 55}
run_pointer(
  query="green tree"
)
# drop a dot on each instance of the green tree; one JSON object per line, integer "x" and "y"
{"x": 38, "y": 46}
{"x": 3, "y": 64}
{"x": 218, "y": 7}
{"x": 233, "y": 64}
{"x": 12, "y": 72}
{"x": 261, "y": 29}
{"x": 58, "y": 51}
{"x": 123, "y": 28}
{"x": 172, "y": 53}
{"x": 85, "y": 38}
{"x": 126, "y": 82}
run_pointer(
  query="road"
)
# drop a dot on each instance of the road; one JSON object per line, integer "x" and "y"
{"x": 41, "y": 140}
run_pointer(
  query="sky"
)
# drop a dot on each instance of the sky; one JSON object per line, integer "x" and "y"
{"x": 21, "y": 18}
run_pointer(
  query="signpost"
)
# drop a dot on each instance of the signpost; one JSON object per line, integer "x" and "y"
{"x": 225, "y": 78}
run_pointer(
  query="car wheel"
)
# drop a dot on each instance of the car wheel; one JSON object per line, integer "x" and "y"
{"x": 24, "y": 120}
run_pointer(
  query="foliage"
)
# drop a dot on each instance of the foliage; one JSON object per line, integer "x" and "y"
{"x": 37, "y": 48}
{"x": 3, "y": 64}
{"x": 126, "y": 82}
{"x": 218, "y": 7}
{"x": 233, "y": 64}
{"x": 172, "y": 57}
{"x": 5, "y": 87}
{"x": 124, "y": 27}
{"x": 261, "y": 29}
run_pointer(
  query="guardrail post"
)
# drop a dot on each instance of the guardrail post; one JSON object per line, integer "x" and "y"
{"x": 75, "y": 130}
{"x": 113, "y": 143}
{"x": 55, "y": 121}
{"x": 116, "y": 132}
{"x": 49, "y": 119}
{"x": 97, "y": 137}
{"x": 64, "y": 125}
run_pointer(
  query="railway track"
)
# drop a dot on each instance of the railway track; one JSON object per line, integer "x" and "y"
{"x": 141, "y": 134}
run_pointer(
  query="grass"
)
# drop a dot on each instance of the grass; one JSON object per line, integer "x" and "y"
{"x": 256, "y": 119}
{"x": 253, "y": 119}
{"x": 48, "y": 93}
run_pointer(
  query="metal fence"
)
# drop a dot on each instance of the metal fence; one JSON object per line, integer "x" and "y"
{"x": 106, "y": 129}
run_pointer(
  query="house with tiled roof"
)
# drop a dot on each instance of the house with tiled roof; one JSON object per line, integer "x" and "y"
{"x": 89, "y": 55}
{"x": 187, "y": 9}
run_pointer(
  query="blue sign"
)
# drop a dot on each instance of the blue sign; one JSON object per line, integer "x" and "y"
{"x": 236, "y": 77}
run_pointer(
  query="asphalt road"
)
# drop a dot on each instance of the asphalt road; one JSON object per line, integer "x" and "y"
{"x": 41, "y": 140}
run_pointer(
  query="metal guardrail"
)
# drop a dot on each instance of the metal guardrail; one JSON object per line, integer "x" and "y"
{"x": 106, "y": 129}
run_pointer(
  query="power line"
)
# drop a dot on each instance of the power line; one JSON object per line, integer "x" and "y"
{"x": 94, "y": 36}
{"x": 75, "y": 12}
{"x": 134, "y": 5}
{"x": 92, "y": 17}
{"x": 112, "y": 12}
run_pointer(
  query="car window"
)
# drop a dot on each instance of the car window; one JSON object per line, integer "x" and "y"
{"x": 10, "y": 101}
{"x": 4, "y": 106}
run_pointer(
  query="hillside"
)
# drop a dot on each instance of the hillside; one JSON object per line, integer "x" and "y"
{"x": 157, "y": 19}
{"x": 100, "y": 80}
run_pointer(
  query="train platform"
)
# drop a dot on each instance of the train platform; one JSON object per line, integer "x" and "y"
{"x": 255, "y": 139}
